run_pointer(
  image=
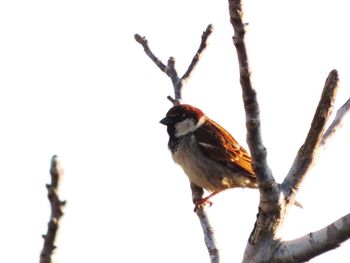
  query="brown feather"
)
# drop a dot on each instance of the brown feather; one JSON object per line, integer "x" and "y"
{"x": 219, "y": 145}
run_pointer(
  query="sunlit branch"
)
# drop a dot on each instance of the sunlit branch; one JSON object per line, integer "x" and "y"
{"x": 314, "y": 243}
{"x": 209, "y": 238}
{"x": 306, "y": 154}
{"x": 337, "y": 122}
{"x": 254, "y": 139}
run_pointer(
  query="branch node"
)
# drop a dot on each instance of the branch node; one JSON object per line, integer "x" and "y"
{"x": 177, "y": 82}
{"x": 169, "y": 69}
{"x": 174, "y": 101}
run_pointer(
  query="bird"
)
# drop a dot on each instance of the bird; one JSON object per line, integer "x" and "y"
{"x": 210, "y": 156}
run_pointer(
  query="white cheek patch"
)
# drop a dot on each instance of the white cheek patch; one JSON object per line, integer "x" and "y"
{"x": 184, "y": 127}
{"x": 187, "y": 126}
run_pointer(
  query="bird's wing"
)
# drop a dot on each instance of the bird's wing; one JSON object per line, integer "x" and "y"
{"x": 218, "y": 144}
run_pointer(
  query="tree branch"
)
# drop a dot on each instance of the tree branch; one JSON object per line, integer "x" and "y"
{"x": 56, "y": 172}
{"x": 314, "y": 243}
{"x": 308, "y": 150}
{"x": 257, "y": 149}
{"x": 337, "y": 122}
{"x": 274, "y": 198}
{"x": 169, "y": 69}
{"x": 209, "y": 238}
{"x": 269, "y": 214}
{"x": 143, "y": 41}
{"x": 199, "y": 52}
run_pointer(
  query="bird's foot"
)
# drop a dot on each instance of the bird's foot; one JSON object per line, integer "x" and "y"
{"x": 204, "y": 202}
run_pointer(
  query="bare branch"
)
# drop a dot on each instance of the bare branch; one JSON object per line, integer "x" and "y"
{"x": 337, "y": 122}
{"x": 200, "y": 50}
{"x": 56, "y": 172}
{"x": 269, "y": 214}
{"x": 209, "y": 238}
{"x": 307, "y": 151}
{"x": 169, "y": 69}
{"x": 172, "y": 73}
{"x": 254, "y": 140}
{"x": 143, "y": 41}
{"x": 315, "y": 243}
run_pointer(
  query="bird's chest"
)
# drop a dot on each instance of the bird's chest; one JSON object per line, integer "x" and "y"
{"x": 192, "y": 161}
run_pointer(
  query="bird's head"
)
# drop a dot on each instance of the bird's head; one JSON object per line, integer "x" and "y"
{"x": 183, "y": 119}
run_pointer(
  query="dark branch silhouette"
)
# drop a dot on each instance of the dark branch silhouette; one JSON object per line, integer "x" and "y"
{"x": 56, "y": 172}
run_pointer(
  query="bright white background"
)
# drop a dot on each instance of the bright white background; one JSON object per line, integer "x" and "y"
{"x": 74, "y": 82}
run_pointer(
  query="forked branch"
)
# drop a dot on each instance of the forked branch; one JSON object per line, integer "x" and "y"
{"x": 274, "y": 198}
{"x": 170, "y": 70}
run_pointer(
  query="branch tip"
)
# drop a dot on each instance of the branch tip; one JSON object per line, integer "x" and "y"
{"x": 171, "y": 62}
{"x": 209, "y": 29}
{"x": 307, "y": 152}
{"x": 332, "y": 78}
{"x": 140, "y": 39}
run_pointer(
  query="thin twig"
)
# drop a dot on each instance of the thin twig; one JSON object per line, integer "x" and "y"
{"x": 143, "y": 41}
{"x": 200, "y": 50}
{"x": 337, "y": 122}
{"x": 306, "y": 154}
{"x": 56, "y": 172}
{"x": 170, "y": 70}
{"x": 209, "y": 237}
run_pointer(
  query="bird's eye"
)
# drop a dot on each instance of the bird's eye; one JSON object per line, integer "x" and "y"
{"x": 183, "y": 115}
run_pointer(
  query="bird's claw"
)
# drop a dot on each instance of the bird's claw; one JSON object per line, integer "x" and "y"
{"x": 202, "y": 203}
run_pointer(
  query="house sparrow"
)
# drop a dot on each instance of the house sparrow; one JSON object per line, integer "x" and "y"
{"x": 211, "y": 158}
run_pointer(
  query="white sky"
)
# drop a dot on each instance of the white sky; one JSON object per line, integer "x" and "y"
{"x": 75, "y": 83}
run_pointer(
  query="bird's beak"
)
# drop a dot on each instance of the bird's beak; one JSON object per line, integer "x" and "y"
{"x": 166, "y": 121}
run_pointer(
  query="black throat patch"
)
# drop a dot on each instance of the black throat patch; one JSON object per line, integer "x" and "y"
{"x": 174, "y": 143}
